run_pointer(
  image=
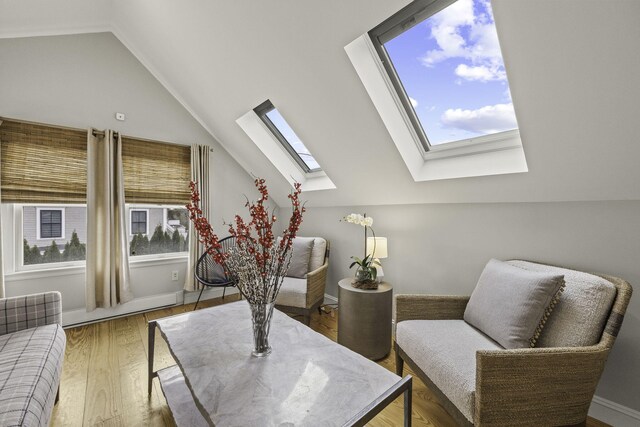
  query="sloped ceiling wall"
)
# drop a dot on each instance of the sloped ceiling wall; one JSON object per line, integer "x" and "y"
{"x": 571, "y": 66}
{"x": 568, "y": 64}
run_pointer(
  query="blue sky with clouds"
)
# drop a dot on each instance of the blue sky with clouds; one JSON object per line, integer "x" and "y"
{"x": 451, "y": 68}
{"x": 286, "y": 131}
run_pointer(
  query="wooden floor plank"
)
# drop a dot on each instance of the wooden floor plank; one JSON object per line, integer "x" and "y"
{"x": 73, "y": 386}
{"x": 103, "y": 400}
{"x": 137, "y": 408}
{"x": 105, "y": 376}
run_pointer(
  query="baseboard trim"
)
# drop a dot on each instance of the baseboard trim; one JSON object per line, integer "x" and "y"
{"x": 613, "y": 413}
{"x": 330, "y": 299}
{"x": 81, "y": 316}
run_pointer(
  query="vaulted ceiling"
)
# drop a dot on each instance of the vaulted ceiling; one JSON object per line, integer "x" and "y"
{"x": 572, "y": 68}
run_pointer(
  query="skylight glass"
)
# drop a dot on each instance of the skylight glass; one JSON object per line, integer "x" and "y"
{"x": 287, "y": 137}
{"x": 451, "y": 69}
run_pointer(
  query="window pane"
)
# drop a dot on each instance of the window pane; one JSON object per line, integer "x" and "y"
{"x": 138, "y": 228}
{"x": 50, "y": 224}
{"x": 168, "y": 231}
{"x": 293, "y": 140}
{"x": 52, "y": 247}
{"x": 56, "y": 217}
{"x": 451, "y": 68}
{"x": 45, "y": 231}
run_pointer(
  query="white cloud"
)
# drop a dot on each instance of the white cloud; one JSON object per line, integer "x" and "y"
{"x": 414, "y": 103}
{"x": 487, "y": 120}
{"x": 461, "y": 33}
{"x": 482, "y": 73}
{"x": 445, "y": 30}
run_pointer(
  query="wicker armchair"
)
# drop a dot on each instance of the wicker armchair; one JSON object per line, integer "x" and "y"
{"x": 529, "y": 386}
{"x": 303, "y": 296}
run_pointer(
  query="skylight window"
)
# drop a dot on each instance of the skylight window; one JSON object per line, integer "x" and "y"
{"x": 445, "y": 63}
{"x": 287, "y": 137}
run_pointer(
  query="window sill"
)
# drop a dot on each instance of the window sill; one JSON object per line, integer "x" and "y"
{"x": 492, "y": 155}
{"x": 73, "y": 270}
{"x": 151, "y": 260}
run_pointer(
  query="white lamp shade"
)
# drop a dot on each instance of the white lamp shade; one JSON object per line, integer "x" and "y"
{"x": 380, "y": 244}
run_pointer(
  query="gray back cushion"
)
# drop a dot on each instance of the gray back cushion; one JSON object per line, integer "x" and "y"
{"x": 582, "y": 311}
{"x": 318, "y": 253}
{"x": 509, "y": 303}
{"x": 299, "y": 266}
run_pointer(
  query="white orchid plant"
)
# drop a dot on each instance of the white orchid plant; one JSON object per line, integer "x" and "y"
{"x": 367, "y": 271}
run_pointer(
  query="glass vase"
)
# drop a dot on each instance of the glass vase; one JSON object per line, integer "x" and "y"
{"x": 364, "y": 274}
{"x": 261, "y": 320}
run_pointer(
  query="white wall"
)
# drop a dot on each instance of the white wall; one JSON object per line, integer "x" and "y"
{"x": 442, "y": 248}
{"x": 81, "y": 81}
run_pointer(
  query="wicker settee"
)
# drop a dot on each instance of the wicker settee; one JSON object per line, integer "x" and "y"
{"x": 32, "y": 345}
{"x": 481, "y": 383}
{"x": 302, "y": 296}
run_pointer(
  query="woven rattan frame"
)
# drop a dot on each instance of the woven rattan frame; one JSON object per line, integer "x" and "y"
{"x": 524, "y": 387}
{"x": 316, "y": 283}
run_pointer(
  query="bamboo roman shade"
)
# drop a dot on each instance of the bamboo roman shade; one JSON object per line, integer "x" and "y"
{"x": 43, "y": 164}
{"x": 155, "y": 172}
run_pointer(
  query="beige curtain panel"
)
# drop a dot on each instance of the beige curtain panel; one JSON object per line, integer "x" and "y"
{"x": 199, "y": 174}
{"x": 42, "y": 163}
{"x": 2, "y": 292}
{"x": 108, "y": 281}
{"x": 155, "y": 172}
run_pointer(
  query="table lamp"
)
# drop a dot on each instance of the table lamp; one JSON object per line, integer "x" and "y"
{"x": 377, "y": 248}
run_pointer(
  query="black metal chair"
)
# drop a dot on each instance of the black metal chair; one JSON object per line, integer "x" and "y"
{"x": 211, "y": 274}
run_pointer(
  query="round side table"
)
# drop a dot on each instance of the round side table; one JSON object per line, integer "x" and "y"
{"x": 364, "y": 319}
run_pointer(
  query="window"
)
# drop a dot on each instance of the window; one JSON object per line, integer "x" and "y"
{"x": 44, "y": 182}
{"x": 50, "y": 223}
{"x": 139, "y": 223}
{"x": 445, "y": 63}
{"x": 50, "y": 234}
{"x": 435, "y": 74}
{"x": 287, "y": 137}
{"x": 158, "y": 230}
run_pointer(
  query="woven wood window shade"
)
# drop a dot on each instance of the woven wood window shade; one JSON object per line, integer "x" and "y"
{"x": 155, "y": 172}
{"x": 43, "y": 164}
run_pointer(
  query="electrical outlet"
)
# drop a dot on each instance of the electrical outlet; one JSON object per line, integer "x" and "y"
{"x": 174, "y": 276}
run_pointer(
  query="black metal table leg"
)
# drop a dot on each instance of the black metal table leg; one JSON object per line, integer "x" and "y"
{"x": 152, "y": 340}
{"x": 407, "y": 405}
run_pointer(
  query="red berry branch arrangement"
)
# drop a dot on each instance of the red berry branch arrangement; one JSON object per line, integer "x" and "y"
{"x": 258, "y": 261}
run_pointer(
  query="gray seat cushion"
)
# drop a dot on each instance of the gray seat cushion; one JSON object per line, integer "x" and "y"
{"x": 446, "y": 351}
{"x": 30, "y": 368}
{"x": 293, "y": 292}
{"x": 582, "y": 310}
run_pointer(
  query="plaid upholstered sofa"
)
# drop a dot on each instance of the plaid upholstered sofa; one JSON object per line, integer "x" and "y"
{"x": 32, "y": 345}
{"x": 481, "y": 383}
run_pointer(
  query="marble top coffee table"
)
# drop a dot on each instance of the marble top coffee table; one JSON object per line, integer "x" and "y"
{"x": 307, "y": 380}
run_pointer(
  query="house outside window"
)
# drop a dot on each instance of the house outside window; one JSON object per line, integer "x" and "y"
{"x": 155, "y": 230}
{"x": 52, "y": 234}
{"x": 162, "y": 231}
